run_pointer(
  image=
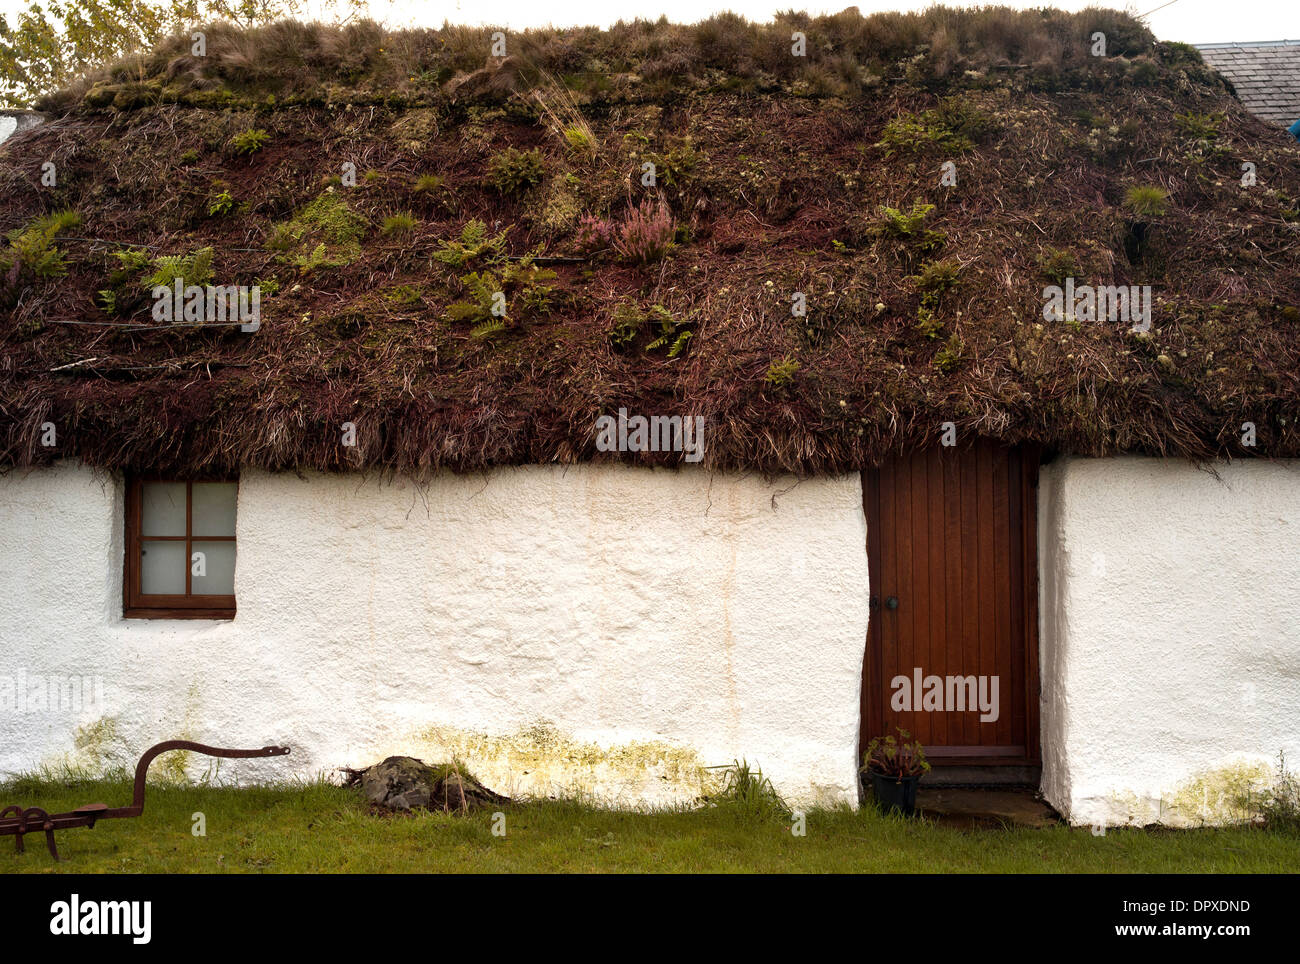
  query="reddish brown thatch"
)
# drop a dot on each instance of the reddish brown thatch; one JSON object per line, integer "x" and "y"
{"x": 775, "y": 171}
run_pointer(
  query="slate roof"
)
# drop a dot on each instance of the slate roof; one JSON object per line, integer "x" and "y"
{"x": 1265, "y": 74}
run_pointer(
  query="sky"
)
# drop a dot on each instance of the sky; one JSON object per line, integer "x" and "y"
{"x": 1191, "y": 21}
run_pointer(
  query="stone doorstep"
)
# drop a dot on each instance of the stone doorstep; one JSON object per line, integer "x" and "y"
{"x": 972, "y": 808}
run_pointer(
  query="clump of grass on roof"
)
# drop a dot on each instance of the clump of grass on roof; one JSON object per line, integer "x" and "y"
{"x": 430, "y": 192}
{"x": 513, "y": 171}
{"x": 330, "y": 218}
{"x": 559, "y": 106}
{"x": 935, "y": 279}
{"x": 1147, "y": 200}
{"x": 1176, "y": 52}
{"x": 559, "y": 205}
{"x": 580, "y": 140}
{"x": 403, "y": 222}
{"x": 427, "y": 184}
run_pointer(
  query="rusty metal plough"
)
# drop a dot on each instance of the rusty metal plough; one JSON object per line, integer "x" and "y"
{"x": 16, "y": 821}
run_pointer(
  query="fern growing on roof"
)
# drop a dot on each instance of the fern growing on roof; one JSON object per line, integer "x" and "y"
{"x": 194, "y": 268}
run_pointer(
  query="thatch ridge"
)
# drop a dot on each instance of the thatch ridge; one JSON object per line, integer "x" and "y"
{"x": 775, "y": 179}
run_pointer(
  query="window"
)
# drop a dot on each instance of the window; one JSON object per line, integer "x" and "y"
{"x": 180, "y": 550}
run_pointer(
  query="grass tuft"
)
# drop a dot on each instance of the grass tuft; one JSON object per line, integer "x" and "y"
{"x": 1147, "y": 200}
{"x": 403, "y": 222}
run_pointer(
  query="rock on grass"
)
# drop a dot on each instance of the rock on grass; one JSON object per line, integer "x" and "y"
{"x": 405, "y": 783}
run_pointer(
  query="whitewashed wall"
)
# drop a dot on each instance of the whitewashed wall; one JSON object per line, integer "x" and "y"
{"x": 13, "y": 121}
{"x": 1170, "y": 643}
{"x": 612, "y": 631}
{"x": 604, "y": 630}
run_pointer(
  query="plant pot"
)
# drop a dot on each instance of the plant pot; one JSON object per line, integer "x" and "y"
{"x": 894, "y": 794}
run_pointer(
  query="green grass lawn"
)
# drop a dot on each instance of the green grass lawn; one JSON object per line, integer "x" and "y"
{"x": 321, "y": 828}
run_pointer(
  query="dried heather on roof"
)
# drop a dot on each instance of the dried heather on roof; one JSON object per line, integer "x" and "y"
{"x": 775, "y": 176}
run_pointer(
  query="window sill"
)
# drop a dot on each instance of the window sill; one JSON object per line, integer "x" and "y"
{"x": 211, "y": 614}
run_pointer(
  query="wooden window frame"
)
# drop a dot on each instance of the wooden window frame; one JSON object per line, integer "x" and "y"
{"x": 138, "y": 605}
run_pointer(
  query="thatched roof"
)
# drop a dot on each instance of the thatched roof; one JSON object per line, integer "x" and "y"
{"x": 774, "y": 170}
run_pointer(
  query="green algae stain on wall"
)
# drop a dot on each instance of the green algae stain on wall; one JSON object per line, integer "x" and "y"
{"x": 174, "y": 767}
{"x": 1223, "y": 794}
{"x": 1230, "y": 793}
{"x": 98, "y": 747}
{"x": 539, "y": 760}
{"x": 98, "y": 750}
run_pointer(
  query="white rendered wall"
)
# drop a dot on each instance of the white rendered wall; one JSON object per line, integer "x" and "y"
{"x": 1170, "y": 636}
{"x": 604, "y": 630}
{"x": 13, "y": 121}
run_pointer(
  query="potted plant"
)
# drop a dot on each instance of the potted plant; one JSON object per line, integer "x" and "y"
{"x": 894, "y": 767}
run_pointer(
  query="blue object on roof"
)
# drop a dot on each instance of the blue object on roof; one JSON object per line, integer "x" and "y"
{"x": 1294, "y": 130}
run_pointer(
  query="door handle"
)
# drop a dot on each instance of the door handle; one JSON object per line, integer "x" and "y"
{"x": 891, "y": 602}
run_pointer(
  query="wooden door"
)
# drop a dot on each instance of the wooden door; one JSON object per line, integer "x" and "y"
{"x": 951, "y": 547}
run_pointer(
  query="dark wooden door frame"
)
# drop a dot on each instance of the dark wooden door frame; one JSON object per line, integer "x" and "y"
{"x": 874, "y": 694}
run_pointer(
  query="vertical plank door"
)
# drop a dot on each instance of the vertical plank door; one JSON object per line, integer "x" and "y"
{"x": 951, "y": 547}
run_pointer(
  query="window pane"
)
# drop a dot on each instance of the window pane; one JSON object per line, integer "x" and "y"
{"x": 162, "y": 568}
{"x": 163, "y": 510}
{"x": 214, "y": 508}
{"x": 219, "y": 563}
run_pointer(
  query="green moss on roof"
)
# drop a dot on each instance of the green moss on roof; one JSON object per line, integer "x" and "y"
{"x": 821, "y": 177}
